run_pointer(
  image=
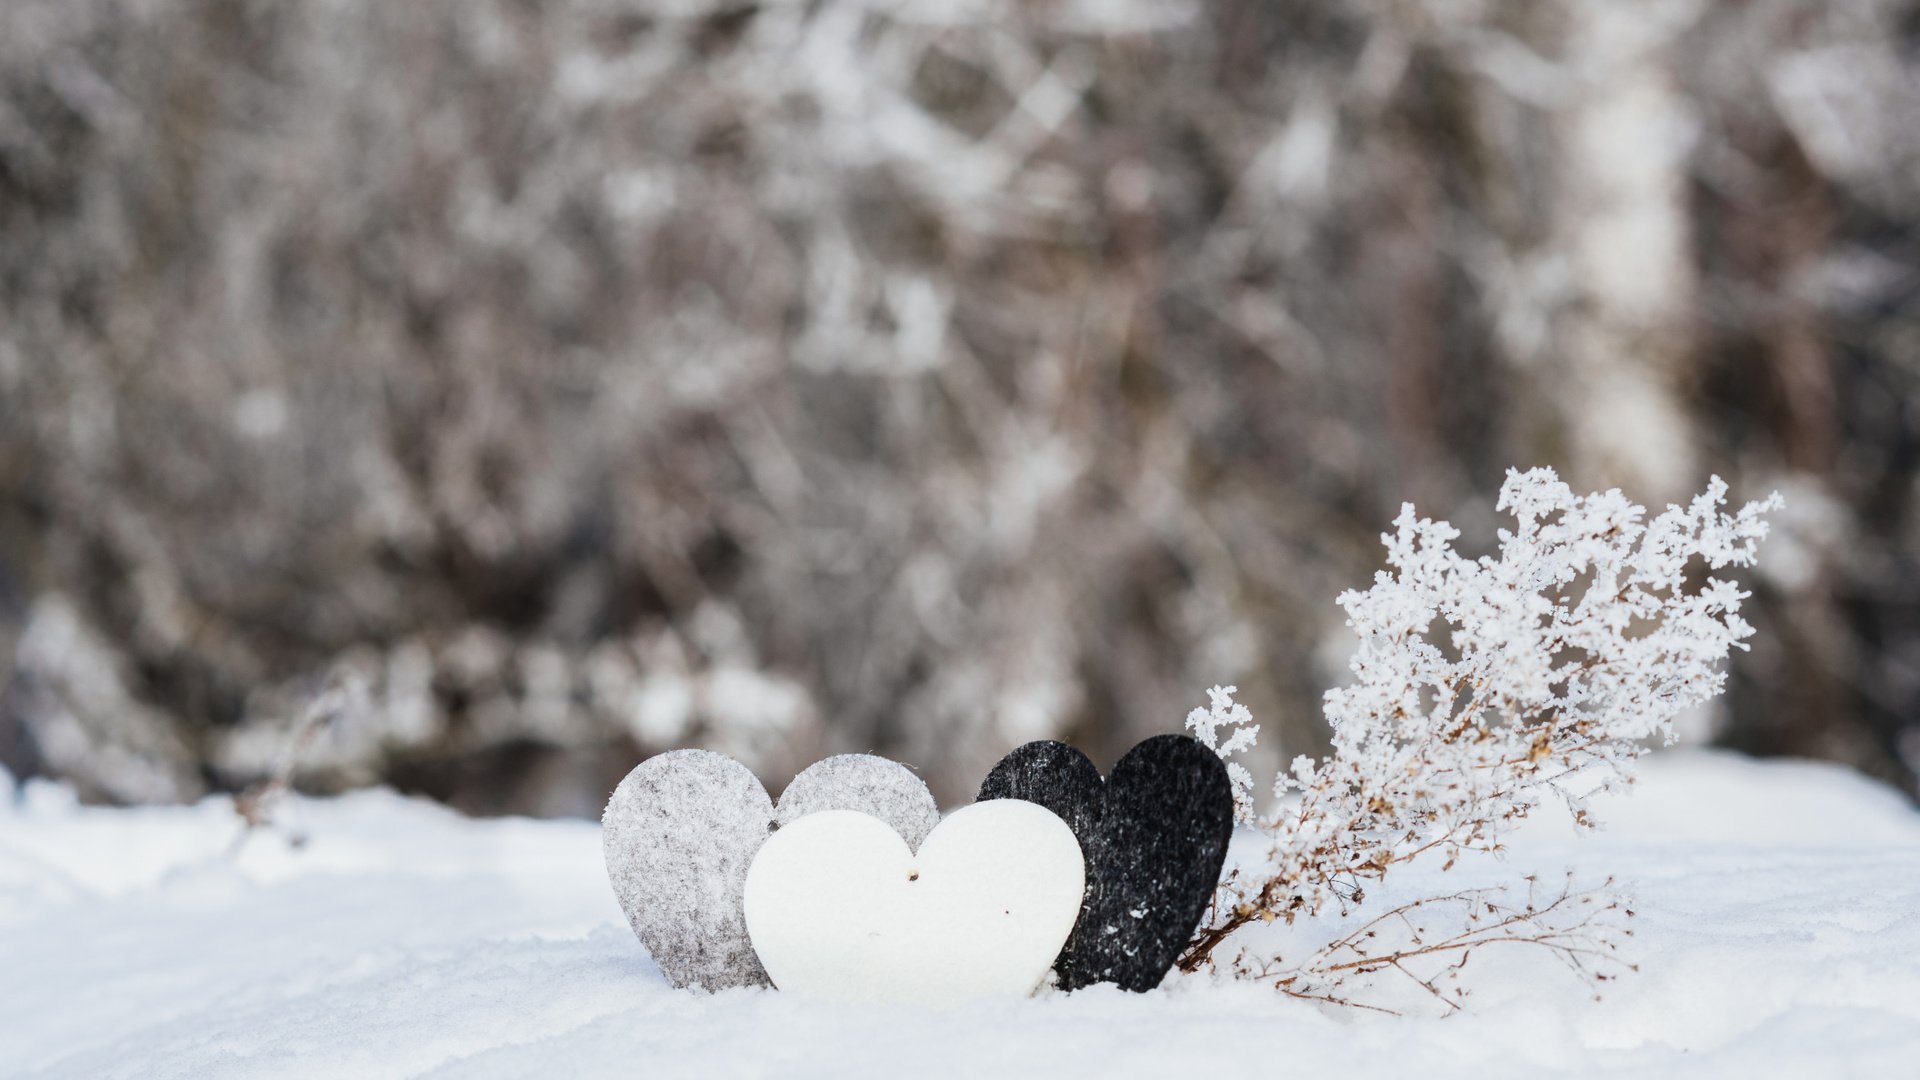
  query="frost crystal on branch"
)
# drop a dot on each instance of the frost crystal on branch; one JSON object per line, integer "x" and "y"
{"x": 1223, "y": 712}
{"x": 1480, "y": 685}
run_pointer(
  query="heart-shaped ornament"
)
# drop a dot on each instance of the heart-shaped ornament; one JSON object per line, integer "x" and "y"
{"x": 681, "y": 831}
{"x": 1154, "y": 838}
{"x": 840, "y": 907}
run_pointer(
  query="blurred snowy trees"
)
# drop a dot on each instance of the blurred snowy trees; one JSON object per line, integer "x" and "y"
{"x": 587, "y": 379}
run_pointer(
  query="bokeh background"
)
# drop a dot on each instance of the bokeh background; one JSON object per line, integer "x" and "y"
{"x": 540, "y": 386}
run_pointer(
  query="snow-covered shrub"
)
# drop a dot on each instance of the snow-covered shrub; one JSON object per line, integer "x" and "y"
{"x": 1481, "y": 685}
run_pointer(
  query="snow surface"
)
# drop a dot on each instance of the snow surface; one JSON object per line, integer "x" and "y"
{"x": 1778, "y": 935}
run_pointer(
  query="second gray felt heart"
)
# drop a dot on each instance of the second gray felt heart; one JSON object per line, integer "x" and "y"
{"x": 681, "y": 830}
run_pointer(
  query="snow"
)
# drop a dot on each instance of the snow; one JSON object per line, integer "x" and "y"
{"x": 1778, "y": 933}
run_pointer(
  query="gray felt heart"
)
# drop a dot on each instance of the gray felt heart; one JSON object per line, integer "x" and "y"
{"x": 681, "y": 830}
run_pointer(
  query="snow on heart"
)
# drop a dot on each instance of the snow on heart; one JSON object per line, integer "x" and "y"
{"x": 838, "y": 905}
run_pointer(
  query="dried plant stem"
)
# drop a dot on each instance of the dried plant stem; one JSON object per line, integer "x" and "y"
{"x": 256, "y": 803}
{"x": 1572, "y": 925}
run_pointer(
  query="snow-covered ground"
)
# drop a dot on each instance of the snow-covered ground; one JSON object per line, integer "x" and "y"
{"x": 1778, "y": 934}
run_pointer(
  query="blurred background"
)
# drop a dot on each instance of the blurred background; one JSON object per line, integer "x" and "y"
{"x": 541, "y": 386}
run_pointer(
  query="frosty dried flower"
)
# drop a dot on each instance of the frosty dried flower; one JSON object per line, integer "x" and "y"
{"x": 1483, "y": 684}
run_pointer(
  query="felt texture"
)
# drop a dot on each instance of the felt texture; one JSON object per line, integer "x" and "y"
{"x": 840, "y": 907}
{"x": 681, "y": 831}
{"x": 1154, "y": 838}
{"x": 868, "y": 784}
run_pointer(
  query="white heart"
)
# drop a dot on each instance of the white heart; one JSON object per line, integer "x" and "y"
{"x": 680, "y": 832}
{"x": 838, "y": 906}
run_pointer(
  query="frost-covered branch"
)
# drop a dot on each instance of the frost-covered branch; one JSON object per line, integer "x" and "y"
{"x": 1481, "y": 685}
{"x": 1206, "y": 724}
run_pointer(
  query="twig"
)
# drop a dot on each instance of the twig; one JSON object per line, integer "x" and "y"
{"x": 256, "y": 803}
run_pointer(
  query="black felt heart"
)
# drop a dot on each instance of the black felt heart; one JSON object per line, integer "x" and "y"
{"x": 1154, "y": 838}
